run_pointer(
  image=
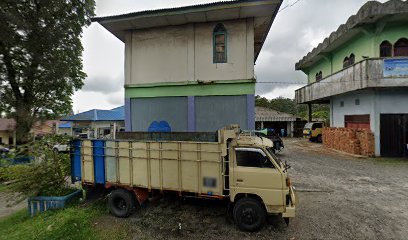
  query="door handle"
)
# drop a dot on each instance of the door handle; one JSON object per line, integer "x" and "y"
{"x": 240, "y": 180}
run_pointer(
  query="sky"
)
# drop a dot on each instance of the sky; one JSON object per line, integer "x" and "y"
{"x": 297, "y": 29}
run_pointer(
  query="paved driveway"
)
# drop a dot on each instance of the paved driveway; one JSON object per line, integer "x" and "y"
{"x": 343, "y": 197}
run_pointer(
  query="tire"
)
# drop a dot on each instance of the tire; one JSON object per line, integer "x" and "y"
{"x": 249, "y": 214}
{"x": 121, "y": 203}
{"x": 319, "y": 139}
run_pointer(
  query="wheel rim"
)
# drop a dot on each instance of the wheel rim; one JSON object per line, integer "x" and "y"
{"x": 120, "y": 203}
{"x": 249, "y": 216}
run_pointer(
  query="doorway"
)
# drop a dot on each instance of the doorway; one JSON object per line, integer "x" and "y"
{"x": 394, "y": 135}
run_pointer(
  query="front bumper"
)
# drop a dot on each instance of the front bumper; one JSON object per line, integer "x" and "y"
{"x": 291, "y": 204}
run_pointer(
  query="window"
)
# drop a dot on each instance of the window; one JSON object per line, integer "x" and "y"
{"x": 317, "y": 125}
{"x": 352, "y": 59}
{"x": 401, "y": 48}
{"x": 220, "y": 44}
{"x": 252, "y": 157}
{"x": 385, "y": 49}
{"x": 342, "y": 104}
{"x": 345, "y": 62}
{"x": 357, "y": 101}
{"x": 319, "y": 76}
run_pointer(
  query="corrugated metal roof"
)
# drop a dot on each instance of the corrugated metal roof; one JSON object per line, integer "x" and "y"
{"x": 65, "y": 125}
{"x": 116, "y": 114}
{"x": 263, "y": 114}
{"x": 167, "y": 10}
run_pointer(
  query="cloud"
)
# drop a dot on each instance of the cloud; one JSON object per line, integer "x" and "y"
{"x": 97, "y": 100}
{"x": 103, "y": 84}
{"x": 286, "y": 92}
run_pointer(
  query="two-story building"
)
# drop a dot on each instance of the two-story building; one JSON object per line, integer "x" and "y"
{"x": 361, "y": 70}
{"x": 192, "y": 68}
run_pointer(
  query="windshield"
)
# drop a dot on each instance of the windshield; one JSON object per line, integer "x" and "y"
{"x": 308, "y": 125}
{"x": 277, "y": 160}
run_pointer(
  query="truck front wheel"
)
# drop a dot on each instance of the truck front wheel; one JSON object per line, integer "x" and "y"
{"x": 120, "y": 203}
{"x": 249, "y": 214}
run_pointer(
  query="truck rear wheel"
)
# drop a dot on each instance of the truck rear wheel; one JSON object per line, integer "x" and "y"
{"x": 249, "y": 214}
{"x": 121, "y": 203}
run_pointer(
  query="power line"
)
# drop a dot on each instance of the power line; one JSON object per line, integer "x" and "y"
{"x": 288, "y": 83}
{"x": 289, "y": 5}
{"x": 320, "y": 82}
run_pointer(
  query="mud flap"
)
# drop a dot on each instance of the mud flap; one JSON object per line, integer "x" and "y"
{"x": 229, "y": 214}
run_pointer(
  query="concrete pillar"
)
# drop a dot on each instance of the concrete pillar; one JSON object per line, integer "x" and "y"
{"x": 375, "y": 123}
{"x": 290, "y": 129}
{"x": 309, "y": 108}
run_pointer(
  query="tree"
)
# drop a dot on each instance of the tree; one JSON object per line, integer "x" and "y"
{"x": 288, "y": 105}
{"x": 40, "y": 58}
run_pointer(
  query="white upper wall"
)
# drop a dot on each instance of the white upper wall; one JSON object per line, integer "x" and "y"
{"x": 185, "y": 53}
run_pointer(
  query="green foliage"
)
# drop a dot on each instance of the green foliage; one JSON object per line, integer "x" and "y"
{"x": 47, "y": 175}
{"x": 40, "y": 58}
{"x": 288, "y": 105}
{"x": 75, "y": 222}
{"x": 8, "y": 173}
{"x": 70, "y": 223}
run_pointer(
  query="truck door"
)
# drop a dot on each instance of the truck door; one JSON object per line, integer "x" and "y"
{"x": 254, "y": 173}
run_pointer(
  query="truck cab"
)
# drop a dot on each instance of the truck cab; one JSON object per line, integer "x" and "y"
{"x": 258, "y": 176}
{"x": 313, "y": 131}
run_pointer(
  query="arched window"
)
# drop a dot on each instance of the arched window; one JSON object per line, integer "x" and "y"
{"x": 385, "y": 49}
{"x": 220, "y": 44}
{"x": 345, "y": 62}
{"x": 352, "y": 59}
{"x": 318, "y": 76}
{"x": 401, "y": 47}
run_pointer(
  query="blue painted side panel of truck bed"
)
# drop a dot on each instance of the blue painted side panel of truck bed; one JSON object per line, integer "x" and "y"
{"x": 99, "y": 161}
{"x": 76, "y": 160}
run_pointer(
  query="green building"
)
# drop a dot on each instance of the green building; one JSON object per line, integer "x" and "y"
{"x": 361, "y": 70}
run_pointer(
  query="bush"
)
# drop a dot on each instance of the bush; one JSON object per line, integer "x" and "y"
{"x": 8, "y": 173}
{"x": 47, "y": 174}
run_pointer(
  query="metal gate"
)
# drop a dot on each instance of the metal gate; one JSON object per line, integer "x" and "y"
{"x": 394, "y": 135}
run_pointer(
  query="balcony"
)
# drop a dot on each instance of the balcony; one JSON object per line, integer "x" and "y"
{"x": 368, "y": 73}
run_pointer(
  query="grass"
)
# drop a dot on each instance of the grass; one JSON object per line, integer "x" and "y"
{"x": 75, "y": 222}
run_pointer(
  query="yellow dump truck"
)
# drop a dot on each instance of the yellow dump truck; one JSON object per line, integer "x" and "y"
{"x": 229, "y": 165}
